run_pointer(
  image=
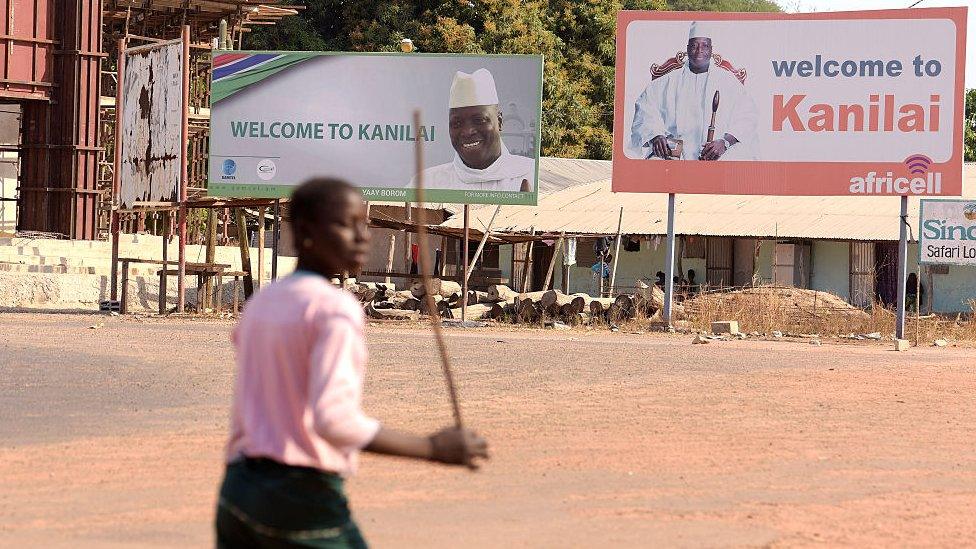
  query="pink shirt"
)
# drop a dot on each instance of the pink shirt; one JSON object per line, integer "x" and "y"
{"x": 301, "y": 358}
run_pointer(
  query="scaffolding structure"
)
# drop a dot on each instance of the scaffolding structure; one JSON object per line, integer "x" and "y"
{"x": 59, "y": 64}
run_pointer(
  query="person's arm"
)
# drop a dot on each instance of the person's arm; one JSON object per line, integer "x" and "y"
{"x": 648, "y": 128}
{"x": 335, "y": 395}
{"x": 450, "y": 446}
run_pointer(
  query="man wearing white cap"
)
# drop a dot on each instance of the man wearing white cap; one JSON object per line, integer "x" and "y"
{"x": 482, "y": 161}
{"x": 676, "y": 107}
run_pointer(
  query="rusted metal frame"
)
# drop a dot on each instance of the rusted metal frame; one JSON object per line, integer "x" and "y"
{"x": 80, "y": 53}
{"x": 34, "y": 45}
{"x": 31, "y": 96}
{"x": 33, "y": 40}
{"x": 157, "y": 44}
{"x": 34, "y": 83}
{"x": 181, "y": 284}
{"x": 8, "y": 22}
{"x": 58, "y": 190}
{"x": 60, "y": 147}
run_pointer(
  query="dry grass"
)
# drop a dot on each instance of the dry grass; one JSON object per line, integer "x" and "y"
{"x": 797, "y": 311}
{"x": 792, "y": 311}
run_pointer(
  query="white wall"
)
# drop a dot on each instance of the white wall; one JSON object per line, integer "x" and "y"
{"x": 831, "y": 272}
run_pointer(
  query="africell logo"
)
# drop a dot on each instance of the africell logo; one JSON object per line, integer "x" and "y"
{"x": 920, "y": 180}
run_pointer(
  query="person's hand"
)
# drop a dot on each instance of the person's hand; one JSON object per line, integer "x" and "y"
{"x": 455, "y": 446}
{"x": 660, "y": 146}
{"x": 714, "y": 149}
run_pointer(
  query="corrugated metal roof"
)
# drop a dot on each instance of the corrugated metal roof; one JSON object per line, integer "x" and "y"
{"x": 591, "y": 208}
{"x": 555, "y": 174}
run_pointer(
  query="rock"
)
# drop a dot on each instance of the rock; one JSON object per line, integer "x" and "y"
{"x": 815, "y": 342}
{"x": 940, "y": 343}
{"x": 777, "y": 333}
{"x": 754, "y": 334}
{"x": 876, "y": 336}
{"x": 725, "y": 327}
{"x": 741, "y": 335}
{"x": 699, "y": 340}
{"x": 556, "y": 325}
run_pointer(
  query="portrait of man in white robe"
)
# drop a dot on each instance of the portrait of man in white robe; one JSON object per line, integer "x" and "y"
{"x": 673, "y": 114}
{"x": 481, "y": 161}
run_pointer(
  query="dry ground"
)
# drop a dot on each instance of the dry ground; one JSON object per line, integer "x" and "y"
{"x": 112, "y": 437}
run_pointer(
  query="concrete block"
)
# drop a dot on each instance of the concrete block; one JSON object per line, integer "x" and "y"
{"x": 902, "y": 344}
{"x": 725, "y": 327}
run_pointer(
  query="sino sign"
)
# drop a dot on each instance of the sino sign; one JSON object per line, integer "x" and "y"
{"x": 947, "y": 232}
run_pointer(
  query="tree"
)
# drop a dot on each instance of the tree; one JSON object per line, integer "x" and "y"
{"x": 969, "y": 127}
{"x": 576, "y": 38}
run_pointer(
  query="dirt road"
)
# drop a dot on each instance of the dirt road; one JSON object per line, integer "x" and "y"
{"x": 112, "y": 437}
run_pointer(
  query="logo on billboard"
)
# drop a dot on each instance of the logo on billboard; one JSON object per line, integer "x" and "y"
{"x": 267, "y": 169}
{"x": 969, "y": 211}
{"x": 920, "y": 180}
{"x": 228, "y": 170}
{"x": 918, "y": 164}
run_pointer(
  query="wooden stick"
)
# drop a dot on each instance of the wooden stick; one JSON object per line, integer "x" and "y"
{"x": 435, "y": 319}
{"x": 244, "y": 245}
{"x": 552, "y": 262}
{"x": 390, "y": 255}
{"x": 525, "y": 266}
{"x": 616, "y": 252}
{"x": 481, "y": 245}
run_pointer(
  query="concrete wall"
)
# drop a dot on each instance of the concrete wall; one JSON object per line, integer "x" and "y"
{"x": 953, "y": 290}
{"x": 831, "y": 267}
{"x": 831, "y": 272}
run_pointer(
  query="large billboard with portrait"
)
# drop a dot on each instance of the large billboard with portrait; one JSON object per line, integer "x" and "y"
{"x": 848, "y": 103}
{"x": 279, "y": 118}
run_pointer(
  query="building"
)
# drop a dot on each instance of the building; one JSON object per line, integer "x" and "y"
{"x": 843, "y": 245}
{"x": 58, "y": 89}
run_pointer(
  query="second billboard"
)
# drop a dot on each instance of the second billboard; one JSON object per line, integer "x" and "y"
{"x": 279, "y": 118}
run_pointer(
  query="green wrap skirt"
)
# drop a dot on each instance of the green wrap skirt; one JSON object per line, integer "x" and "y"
{"x": 264, "y": 503}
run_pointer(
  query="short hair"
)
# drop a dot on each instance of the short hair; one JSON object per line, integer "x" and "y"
{"x": 316, "y": 198}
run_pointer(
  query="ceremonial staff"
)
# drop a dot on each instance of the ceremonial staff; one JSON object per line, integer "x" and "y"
{"x": 711, "y": 125}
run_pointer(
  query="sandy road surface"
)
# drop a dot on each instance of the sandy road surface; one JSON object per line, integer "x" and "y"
{"x": 112, "y": 438}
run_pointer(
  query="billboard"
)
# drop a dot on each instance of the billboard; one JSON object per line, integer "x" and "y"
{"x": 947, "y": 232}
{"x": 152, "y": 124}
{"x": 843, "y": 103}
{"x": 279, "y": 118}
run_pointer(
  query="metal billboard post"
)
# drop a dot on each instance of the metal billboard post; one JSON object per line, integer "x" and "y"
{"x": 274, "y": 239}
{"x": 669, "y": 275}
{"x": 180, "y": 282}
{"x": 902, "y": 269}
{"x": 115, "y": 227}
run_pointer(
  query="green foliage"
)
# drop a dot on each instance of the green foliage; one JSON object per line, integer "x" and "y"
{"x": 575, "y": 37}
{"x": 969, "y": 127}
